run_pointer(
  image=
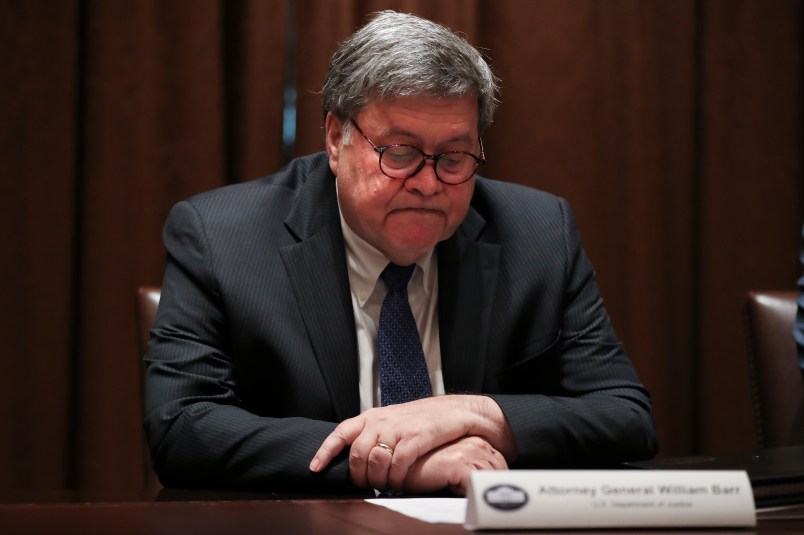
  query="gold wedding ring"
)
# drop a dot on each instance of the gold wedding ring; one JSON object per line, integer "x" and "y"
{"x": 386, "y": 447}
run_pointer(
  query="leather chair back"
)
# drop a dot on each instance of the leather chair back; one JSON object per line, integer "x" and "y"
{"x": 147, "y": 303}
{"x": 777, "y": 380}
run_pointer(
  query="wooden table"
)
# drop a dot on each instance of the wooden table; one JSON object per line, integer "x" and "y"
{"x": 202, "y": 513}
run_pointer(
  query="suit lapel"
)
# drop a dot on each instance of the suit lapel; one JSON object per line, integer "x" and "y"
{"x": 467, "y": 274}
{"x": 316, "y": 266}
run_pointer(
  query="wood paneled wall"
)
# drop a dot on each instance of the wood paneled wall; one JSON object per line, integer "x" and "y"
{"x": 673, "y": 127}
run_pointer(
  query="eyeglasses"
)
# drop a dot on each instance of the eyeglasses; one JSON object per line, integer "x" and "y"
{"x": 402, "y": 161}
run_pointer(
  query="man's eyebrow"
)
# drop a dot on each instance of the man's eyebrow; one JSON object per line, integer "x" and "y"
{"x": 393, "y": 131}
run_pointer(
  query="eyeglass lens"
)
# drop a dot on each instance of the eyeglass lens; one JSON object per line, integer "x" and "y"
{"x": 404, "y": 161}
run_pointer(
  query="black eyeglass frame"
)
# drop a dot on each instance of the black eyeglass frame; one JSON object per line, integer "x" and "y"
{"x": 434, "y": 157}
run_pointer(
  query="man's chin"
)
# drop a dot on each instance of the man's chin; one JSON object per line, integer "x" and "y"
{"x": 405, "y": 252}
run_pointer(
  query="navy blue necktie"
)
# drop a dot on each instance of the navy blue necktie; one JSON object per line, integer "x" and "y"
{"x": 403, "y": 370}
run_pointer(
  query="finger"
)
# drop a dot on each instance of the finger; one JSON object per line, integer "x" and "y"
{"x": 360, "y": 453}
{"x": 498, "y": 461}
{"x": 357, "y": 468}
{"x": 491, "y": 459}
{"x": 341, "y": 436}
{"x": 405, "y": 455}
{"x": 460, "y": 487}
{"x": 494, "y": 460}
{"x": 377, "y": 465}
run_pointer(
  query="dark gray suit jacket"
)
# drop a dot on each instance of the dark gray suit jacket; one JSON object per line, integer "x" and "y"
{"x": 253, "y": 357}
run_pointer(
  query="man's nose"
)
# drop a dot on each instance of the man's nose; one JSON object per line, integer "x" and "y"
{"x": 425, "y": 181}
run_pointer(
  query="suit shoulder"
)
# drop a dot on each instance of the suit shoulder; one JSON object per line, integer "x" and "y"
{"x": 278, "y": 188}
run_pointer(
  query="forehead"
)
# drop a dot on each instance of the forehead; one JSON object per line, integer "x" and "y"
{"x": 422, "y": 117}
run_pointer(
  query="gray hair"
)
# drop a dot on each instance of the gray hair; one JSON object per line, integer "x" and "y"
{"x": 397, "y": 55}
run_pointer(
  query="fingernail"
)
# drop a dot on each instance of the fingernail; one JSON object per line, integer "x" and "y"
{"x": 315, "y": 464}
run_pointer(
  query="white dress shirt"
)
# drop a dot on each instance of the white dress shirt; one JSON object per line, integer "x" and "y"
{"x": 365, "y": 264}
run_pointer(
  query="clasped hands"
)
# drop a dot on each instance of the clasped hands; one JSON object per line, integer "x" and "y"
{"x": 423, "y": 446}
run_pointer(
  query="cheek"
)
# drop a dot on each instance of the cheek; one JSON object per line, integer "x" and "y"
{"x": 364, "y": 200}
{"x": 369, "y": 195}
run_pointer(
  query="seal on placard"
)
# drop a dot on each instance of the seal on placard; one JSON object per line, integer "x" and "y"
{"x": 505, "y": 497}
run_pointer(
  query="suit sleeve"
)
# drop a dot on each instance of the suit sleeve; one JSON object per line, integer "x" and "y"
{"x": 200, "y": 434}
{"x": 586, "y": 405}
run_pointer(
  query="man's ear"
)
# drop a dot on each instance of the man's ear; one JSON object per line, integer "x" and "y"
{"x": 334, "y": 140}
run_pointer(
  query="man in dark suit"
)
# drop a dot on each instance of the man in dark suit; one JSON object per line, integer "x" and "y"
{"x": 265, "y": 370}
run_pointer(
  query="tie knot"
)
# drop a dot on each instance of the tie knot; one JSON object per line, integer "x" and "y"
{"x": 397, "y": 277}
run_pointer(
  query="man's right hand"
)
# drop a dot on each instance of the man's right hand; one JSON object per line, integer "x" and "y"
{"x": 451, "y": 465}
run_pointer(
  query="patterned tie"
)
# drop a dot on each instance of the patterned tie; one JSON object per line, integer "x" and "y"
{"x": 403, "y": 371}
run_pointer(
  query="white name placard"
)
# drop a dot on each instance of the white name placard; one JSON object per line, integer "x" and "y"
{"x": 522, "y": 499}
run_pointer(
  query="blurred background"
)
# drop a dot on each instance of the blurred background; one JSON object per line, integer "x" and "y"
{"x": 673, "y": 127}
